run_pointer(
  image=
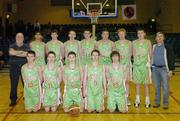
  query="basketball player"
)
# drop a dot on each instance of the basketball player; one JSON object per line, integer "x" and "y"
{"x": 124, "y": 47}
{"x": 142, "y": 51}
{"x": 38, "y": 46}
{"x": 51, "y": 85}
{"x": 72, "y": 45}
{"x": 94, "y": 84}
{"x": 116, "y": 79}
{"x": 57, "y": 47}
{"x": 87, "y": 45}
{"x": 105, "y": 46}
{"x": 32, "y": 78}
{"x": 73, "y": 79}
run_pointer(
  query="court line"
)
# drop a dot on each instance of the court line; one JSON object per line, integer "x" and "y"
{"x": 174, "y": 98}
{"x": 51, "y": 113}
{"x": 11, "y": 109}
{"x": 155, "y": 113}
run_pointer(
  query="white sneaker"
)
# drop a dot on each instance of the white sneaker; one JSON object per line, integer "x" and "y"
{"x": 147, "y": 102}
{"x": 137, "y": 101}
{"x": 128, "y": 101}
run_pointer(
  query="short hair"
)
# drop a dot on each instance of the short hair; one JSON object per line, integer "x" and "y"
{"x": 113, "y": 53}
{"x": 160, "y": 33}
{"x": 141, "y": 29}
{"x": 19, "y": 33}
{"x": 72, "y": 31}
{"x": 95, "y": 51}
{"x": 51, "y": 52}
{"x": 31, "y": 52}
{"x": 71, "y": 53}
{"x": 54, "y": 31}
{"x": 121, "y": 30}
{"x": 38, "y": 32}
{"x": 87, "y": 30}
{"x": 105, "y": 30}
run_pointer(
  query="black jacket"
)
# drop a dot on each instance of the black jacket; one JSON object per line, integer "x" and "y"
{"x": 170, "y": 56}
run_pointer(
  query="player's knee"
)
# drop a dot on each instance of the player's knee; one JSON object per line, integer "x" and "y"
{"x": 111, "y": 110}
{"x": 35, "y": 110}
{"x": 54, "y": 109}
{"x": 47, "y": 109}
{"x": 29, "y": 111}
{"x": 90, "y": 110}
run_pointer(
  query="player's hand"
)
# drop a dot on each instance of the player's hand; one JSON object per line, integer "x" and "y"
{"x": 170, "y": 73}
{"x": 30, "y": 85}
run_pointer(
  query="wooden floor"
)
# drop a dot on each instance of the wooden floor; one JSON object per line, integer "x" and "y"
{"x": 134, "y": 114}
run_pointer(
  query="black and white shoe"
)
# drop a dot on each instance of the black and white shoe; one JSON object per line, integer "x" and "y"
{"x": 137, "y": 102}
{"x": 128, "y": 102}
{"x": 148, "y": 105}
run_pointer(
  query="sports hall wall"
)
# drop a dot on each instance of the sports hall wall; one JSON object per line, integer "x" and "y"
{"x": 169, "y": 15}
{"x": 166, "y": 13}
{"x": 42, "y": 11}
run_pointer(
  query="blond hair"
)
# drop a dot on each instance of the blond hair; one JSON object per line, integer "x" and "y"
{"x": 121, "y": 30}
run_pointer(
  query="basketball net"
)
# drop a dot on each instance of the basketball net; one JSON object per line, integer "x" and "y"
{"x": 93, "y": 15}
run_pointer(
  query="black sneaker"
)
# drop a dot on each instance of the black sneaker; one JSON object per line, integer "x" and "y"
{"x": 12, "y": 104}
{"x": 165, "y": 107}
{"x": 116, "y": 108}
{"x": 156, "y": 106}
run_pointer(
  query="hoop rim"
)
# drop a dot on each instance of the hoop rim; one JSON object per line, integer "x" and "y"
{"x": 94, "y": 13}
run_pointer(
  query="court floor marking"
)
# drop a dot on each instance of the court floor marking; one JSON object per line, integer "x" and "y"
{"x": 139, "y": 113}
{"x": 11, "y": 109}
{"x": 175, "y": 99}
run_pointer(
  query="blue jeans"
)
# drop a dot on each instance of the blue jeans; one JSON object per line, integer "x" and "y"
{"x": 161, "y": 78}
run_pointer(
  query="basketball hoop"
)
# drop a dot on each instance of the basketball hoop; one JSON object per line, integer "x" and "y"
{"x": 93, "y": 15}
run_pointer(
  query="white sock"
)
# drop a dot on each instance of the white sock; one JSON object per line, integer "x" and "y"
{"x": 147, "y": 100}
{"x": 137, "y": 98}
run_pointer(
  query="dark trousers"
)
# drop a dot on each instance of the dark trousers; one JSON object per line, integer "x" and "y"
{"x": 15, "y": 73}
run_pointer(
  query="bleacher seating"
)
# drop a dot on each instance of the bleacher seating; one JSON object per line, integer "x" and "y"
{"x": 171, "y": 38}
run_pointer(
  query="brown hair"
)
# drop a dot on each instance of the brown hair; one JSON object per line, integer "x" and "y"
{"x": 121, "y": 30}
{"x": 113, "y": 53}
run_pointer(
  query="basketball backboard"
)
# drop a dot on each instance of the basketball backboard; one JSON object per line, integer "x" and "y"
{"x": 82, "y": 8}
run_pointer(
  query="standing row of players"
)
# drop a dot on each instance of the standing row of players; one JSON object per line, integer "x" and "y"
{"x": 93, "y": 70}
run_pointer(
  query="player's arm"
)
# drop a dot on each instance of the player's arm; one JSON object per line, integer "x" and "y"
{"x": 113, "y": 46}
{"x": 40, "y": 74}
{"x": 46, "y": 49}
{"x": 85, "y": 81}
{"x": 130, "y": 49}
{"x": 62, "y": 51}
{"x": 60, "y": 75}
{"x": 22, "y": 72}
{"x": 150, "y": 49}
{"x": 80, "y": 51}
{"x": 104, "y": 80}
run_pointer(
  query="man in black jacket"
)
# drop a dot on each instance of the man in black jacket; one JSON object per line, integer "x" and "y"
{"x": 17, "y": 52}
{"x": 162, "y": 67}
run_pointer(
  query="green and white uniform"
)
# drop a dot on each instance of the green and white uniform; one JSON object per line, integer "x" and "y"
{"x": 72, "y": 91}
{"x": 72, "y": 46}
{"x": 141, "y": 65}
{"x": 95, "y": 91}
{"x": 39, "y": 49}
{"x": 105, "y": 49}
{"x": 32, "y": 87}
{"x": 51, "y": 88}
{"x": 116, "y": 88}
{"x": 87, "y": 48}
{"x": 56, "y": 47}
{"x": 125, "y": 53}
